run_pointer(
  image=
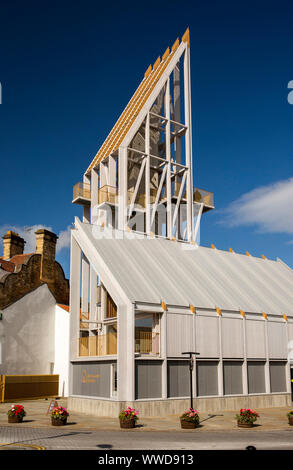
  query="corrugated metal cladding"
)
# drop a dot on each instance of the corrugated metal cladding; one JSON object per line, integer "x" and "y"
{"x": 148, "y": 379}
{"x": 152, "y": 270}
{"x": 91, "y": 379}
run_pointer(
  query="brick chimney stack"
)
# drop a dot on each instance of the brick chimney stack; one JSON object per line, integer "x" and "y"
{"x": 46, "y": 246}
{"x": 13, "y": 244}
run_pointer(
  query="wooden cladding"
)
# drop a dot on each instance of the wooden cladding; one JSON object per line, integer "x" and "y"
{"x": 98, "y": 345}
{"x": 111, "y": 309}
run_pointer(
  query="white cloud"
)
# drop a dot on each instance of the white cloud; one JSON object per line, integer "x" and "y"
{"x": 269, "y": 208}
{"x": 28, "y": 234}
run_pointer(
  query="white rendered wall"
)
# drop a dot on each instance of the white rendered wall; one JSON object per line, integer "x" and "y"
{"x": 61, "y": 362}
{"x": 27, "y": 334}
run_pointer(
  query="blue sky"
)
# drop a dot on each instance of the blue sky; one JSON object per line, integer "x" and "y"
{"x": 68, "y": 69}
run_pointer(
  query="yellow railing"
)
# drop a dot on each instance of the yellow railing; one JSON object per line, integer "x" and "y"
{"x": 109, "y": 194}
{"x": 82, "y": 190}
{"x": 84, "y": 316}
{"x": 98, "y": 345}
{"x": 200, "y": 195}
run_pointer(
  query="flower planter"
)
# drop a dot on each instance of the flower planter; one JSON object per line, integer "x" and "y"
{"x": 290, "y": 420}
{"x": 58, "y": 422}
{"x": 244, "y": 425}
{"x": 188, "y": 424}
{"x": 127, "y": 423}
{"x": 15, "y": 419}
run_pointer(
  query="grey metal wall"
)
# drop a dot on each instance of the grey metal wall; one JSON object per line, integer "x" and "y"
{"x": 178, "y": 378}
{"x": 278, "y": 376}
{"x": 207, "y": 334}
{"x": 278, "y": 341}
{"x": 256, "y": 377}
{"x": 207, "y": 378}
{"x": 148, "y": 379}
{"x": 232, "y": 376}
{"x": 180, "y": 336}
{"x": 92, "y": 379}
{"x": 255, "y": 337}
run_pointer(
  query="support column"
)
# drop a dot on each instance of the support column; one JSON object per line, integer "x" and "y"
{"x": 244, "y": 367}
{"x": 112, "y": 171}
{"x": 93, "y": 297}
{"x": 288, "y": 372}
{"x": 86, "y": 209}
{"x": 168, "y": 159}
{"x": 220, "y": 369}
{"x": 75, "y": 264}
{"x": 163, "y": 334}
{"x": 188, "y": 143}
{"x": 147, "y": 177}
{"x": 85, "y": 273}
{"x": 94, "y": 195}
{"x": 267, "y": 364}
{"x": 125, "y": 353}
{"x": 122, "y": 191}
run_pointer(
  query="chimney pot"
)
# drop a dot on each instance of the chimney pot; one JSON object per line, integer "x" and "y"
{"x": 46, "y": 247}
{"x": 13, "y": 245}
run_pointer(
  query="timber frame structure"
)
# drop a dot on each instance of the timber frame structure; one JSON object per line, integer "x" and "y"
{"x": 142, "y": 290}
{"x": 141, "y": 178}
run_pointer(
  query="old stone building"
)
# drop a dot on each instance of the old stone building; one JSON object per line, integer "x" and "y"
{"x": 21, "y": 272}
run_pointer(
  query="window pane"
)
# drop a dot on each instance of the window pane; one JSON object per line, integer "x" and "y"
{"x": 256, "y": 377}
{"x": 178, "y": 378}
{"x": 207, "y": 378}
{"x": 278, "y": 376}
{"x": 232, "y": 378}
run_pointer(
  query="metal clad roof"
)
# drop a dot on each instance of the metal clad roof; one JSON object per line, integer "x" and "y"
{"x": 152, "y": 270}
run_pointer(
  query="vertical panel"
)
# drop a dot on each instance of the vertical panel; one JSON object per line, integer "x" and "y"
{"x": 232, "y": 372}
{"x": 256, "y": 377}
{"x": 207, "y": 378}
{"x": 255, "y": 336}
{"x": 278, "y": 376}
{"x": 179, "y": 334}
{"x": 207, "y": 336}
{"x": 232, "y": 337}
{"x": 148, "y": 379}
{"x": 178, "y": 378}
{"x": 278, "y": 347}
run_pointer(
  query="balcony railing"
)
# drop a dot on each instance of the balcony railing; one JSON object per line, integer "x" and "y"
{"x": 109, "y": 194}
{"x": 147, "y": 342}
{"x": 206, "y": 197}
{"x": 81, "y": 193}
{"x": 97, "y": 345}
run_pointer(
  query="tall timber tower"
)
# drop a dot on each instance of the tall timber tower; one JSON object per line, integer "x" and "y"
{"x": 141, "y": 178}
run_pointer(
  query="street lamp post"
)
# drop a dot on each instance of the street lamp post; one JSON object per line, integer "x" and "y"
{"x": 191, "y": 353}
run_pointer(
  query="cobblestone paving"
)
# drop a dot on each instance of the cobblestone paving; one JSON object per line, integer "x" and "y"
{"x": 51, "y": 439}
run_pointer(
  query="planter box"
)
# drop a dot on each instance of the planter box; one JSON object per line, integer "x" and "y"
{"x": 290, "y": 420}
{"x": 244, "y": 425}
{"x": 127, "y": 423}
{"x": 58, "y": 422}
{"x": 188, "y": 424}
{"x": 15, "y": 419}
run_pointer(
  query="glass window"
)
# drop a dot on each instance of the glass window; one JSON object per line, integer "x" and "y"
{"x": 232, "y": 372}
{"x": 207, "y": 378}
{"x": 278, "y": 376}
{"x": 256, "y": 377}
{"x": 114, "y": 380}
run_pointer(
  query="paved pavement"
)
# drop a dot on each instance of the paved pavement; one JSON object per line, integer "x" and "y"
{"x": 83, "y": 432}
